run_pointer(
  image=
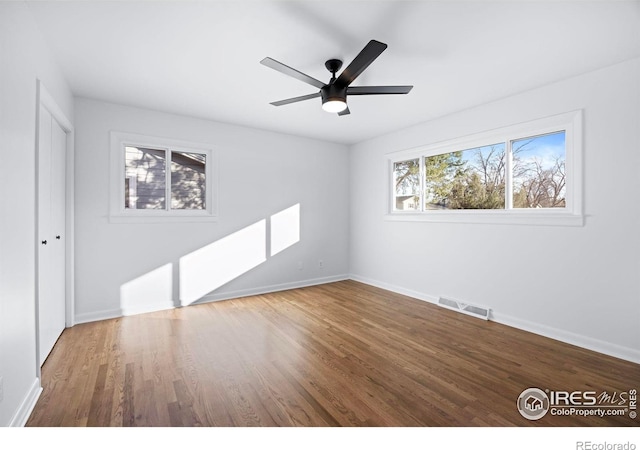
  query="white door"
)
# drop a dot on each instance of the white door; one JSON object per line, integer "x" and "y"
{"x": 52, "y": 144}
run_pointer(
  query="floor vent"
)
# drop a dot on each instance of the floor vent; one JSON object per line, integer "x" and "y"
{"x": 472, "y": 310}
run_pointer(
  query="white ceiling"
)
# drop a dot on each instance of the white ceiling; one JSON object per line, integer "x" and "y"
{"x": 202, "y": 58}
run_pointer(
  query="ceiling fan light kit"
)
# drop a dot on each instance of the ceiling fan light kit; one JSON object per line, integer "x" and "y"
{"x": 334, "y": 94}
{"x": 334, "y": 98}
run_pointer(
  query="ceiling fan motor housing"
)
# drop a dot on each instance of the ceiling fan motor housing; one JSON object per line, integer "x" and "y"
{"x": 332, "y": 93}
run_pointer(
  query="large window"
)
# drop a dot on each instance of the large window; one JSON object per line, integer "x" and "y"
{"x": 468, "y": 179}
{"x": 156, "y": 178}
{"x": 529, "y": 173}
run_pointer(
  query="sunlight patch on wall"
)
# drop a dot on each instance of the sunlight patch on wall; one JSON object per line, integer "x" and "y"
{"x": 214, "y": 265}
{"x": 153, "y": 290}
{"x": 285, "y": 229}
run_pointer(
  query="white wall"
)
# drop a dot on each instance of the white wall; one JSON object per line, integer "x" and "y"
{"x": 24, "y": 58}
{"x": 590, "y": 295}
{"x": 260, "y": 173}
{"x": 578, "y": 284}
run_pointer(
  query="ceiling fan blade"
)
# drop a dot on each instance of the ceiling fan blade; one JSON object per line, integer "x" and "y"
{"x": 296, "y": 99}
{"x": 344, "y": 112}
{"x": 273, "y": 64}
{"x": 376, "y": 90}
{"x": 368, "y": 54}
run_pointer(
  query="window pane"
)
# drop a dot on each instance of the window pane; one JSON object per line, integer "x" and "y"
{"x": 468, "y": 179}
{"x": 539, "y": 171}
{"x": 188, "y": 180}
{"x": 145, "y": 172}
{"x": 407, "y": 185}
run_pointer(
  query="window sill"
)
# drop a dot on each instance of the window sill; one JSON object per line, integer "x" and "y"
{"x": 550, "y": 218}
{"x": 162, "y": 217}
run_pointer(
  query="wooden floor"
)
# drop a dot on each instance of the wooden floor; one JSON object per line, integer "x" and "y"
{"x": 341, "y": 354}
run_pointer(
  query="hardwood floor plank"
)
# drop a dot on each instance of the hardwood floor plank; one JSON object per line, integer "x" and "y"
{"x": 317, "y": 407}
{"x": 340, "y": 354}
{"x": 128, "y": 409}
{"x": 100, "y": 407}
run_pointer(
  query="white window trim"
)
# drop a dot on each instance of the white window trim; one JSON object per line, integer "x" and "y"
{"x": 571, "y": 215}
{"x": 117, "y": 211}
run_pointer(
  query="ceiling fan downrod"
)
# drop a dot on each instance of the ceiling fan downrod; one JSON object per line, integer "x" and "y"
{"x": 333, "y": 65}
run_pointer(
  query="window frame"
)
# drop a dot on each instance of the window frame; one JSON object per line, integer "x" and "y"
{"x": 117, "y": 211}
{"x": 570, "y": 215}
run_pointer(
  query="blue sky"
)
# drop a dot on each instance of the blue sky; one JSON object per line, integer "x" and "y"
{"x": 545, "y": 148}
{"x": 470, "y": 155}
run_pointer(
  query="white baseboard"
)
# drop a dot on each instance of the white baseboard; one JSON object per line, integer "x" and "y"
{"x": 394, "y": 288}
{"x": 272, "y": 288}
{"x": 98, "y": 315}
{"x": 114, "y": 313}
{"x": 26, "y": 407}
{"x": 596, "y": 345}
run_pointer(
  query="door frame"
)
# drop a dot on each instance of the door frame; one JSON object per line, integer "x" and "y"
{"x": 44, "y": 99}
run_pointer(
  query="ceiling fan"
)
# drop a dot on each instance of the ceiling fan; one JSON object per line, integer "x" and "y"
{"x": 334, "y": 94}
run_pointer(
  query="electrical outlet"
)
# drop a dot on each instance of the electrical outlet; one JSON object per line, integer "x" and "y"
{"x": 1, "y": 389}
{"x": 321, "y": 264}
